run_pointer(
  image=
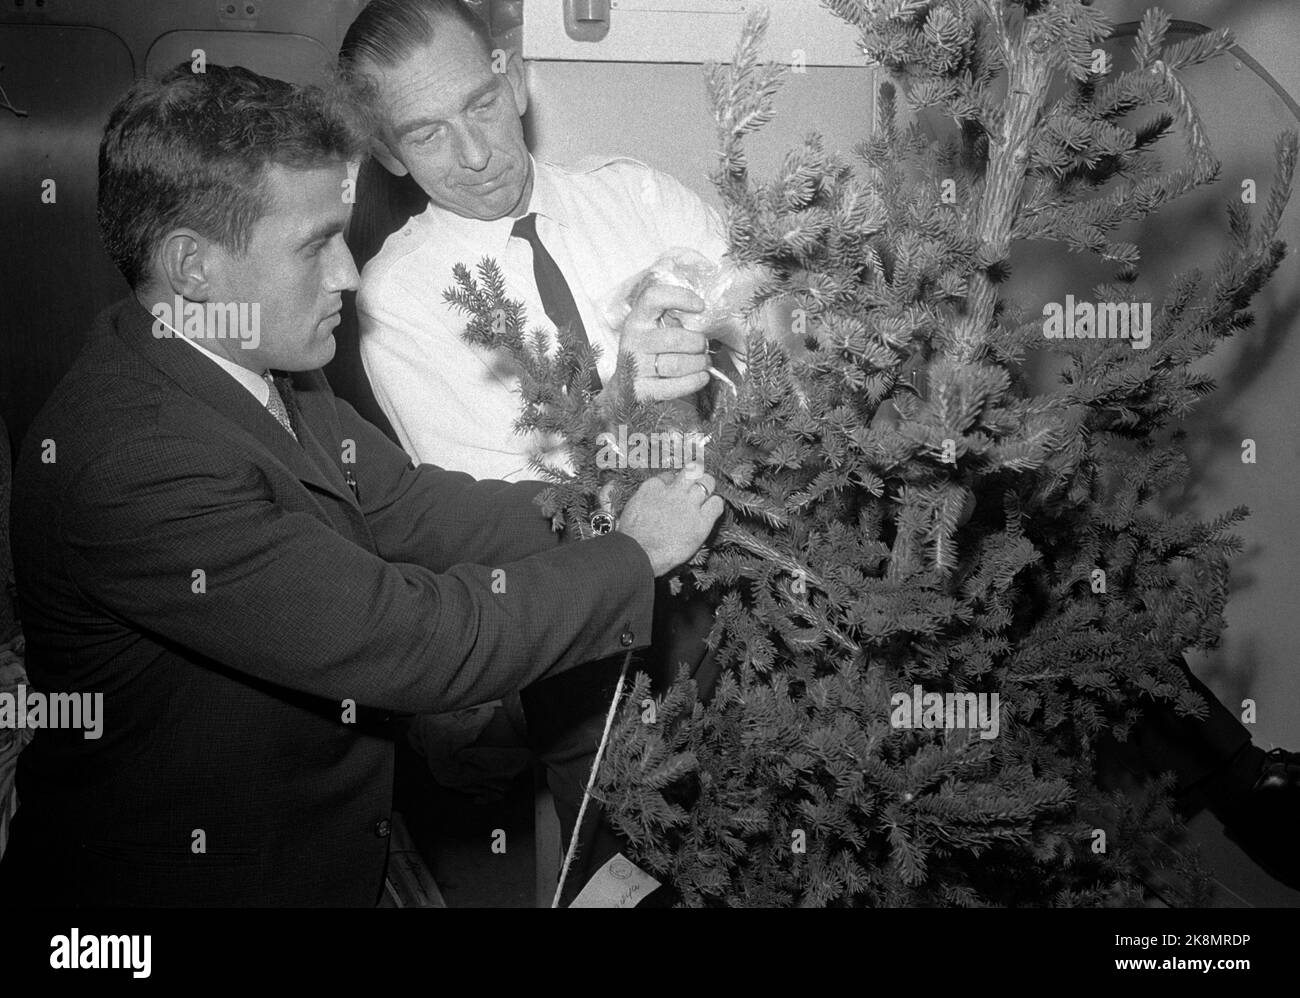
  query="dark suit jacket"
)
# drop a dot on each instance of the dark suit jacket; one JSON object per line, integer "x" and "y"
{"x": 224, "y": 692}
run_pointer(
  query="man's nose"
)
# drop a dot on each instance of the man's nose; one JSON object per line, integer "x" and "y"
{"x": 474, "y": 149}
{"x": 343, "y": 274}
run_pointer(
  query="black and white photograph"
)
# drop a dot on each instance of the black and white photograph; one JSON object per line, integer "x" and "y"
{"x": 662, "y": 454}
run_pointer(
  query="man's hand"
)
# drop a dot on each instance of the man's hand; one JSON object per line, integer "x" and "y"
{"x": 671, "y": 360}
{"x": 670, "y": 515}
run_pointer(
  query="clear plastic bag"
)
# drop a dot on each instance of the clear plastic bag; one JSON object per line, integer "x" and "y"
{"x": 725, "y": 288}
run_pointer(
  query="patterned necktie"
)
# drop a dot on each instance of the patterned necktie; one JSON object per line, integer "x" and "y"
{"x": 552, "y": 288}
{"x": 275, "y": 403}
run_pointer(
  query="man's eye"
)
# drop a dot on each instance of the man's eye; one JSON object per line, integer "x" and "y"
{"x": 486, "y": 105}
{"x": 428, "y": 136}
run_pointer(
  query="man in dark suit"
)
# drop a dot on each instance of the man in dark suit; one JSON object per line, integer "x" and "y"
{"x": 255, "y": 578}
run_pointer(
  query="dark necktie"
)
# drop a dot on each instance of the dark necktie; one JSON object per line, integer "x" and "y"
{"x": 552, "y": 288}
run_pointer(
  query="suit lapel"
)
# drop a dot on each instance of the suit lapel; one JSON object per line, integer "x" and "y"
{"x": 307, "y": 391}
{"x": 310, "y": 391}
{"x": 204, "y": 381}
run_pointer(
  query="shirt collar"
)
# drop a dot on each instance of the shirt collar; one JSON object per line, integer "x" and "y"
{"x": 546, "y": 200}
{"x": 255, "y": 383}
{"x": 494, "y": 236}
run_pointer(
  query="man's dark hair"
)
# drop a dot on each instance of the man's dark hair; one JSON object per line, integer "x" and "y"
{"x": 191, "y": 149}
{"x": 385, "y": 33}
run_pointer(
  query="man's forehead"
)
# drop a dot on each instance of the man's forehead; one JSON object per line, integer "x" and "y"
{"x": 306, "y": 197}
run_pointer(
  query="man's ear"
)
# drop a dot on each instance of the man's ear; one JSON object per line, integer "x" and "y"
{"x": 379, "y": 149}
{"x": 183, "y": 261}
{"x": 515, "y": 77}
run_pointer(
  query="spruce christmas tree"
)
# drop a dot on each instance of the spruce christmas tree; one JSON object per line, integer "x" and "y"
{"x": 907, "y": 510}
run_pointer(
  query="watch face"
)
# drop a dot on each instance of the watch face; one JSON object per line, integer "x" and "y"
{"x": 602, "y": 523}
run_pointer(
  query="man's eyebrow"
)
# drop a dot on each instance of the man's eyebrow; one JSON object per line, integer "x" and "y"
{"x": 479, "y": 92}
{"x": 324, "y": 230}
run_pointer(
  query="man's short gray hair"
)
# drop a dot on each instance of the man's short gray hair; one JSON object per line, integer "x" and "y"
{"x": 385, "y": 33}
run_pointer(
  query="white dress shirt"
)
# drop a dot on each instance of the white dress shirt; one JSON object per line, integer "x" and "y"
{"x": 255, "y": 383}
{"x": 453, "y": 404}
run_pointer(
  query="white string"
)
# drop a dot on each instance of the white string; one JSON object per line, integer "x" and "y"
{"x": 591, "y": 781}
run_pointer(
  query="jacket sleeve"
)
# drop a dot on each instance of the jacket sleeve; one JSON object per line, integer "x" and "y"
{"x": 439, "y": 518}
{"x": 185, "y": 541}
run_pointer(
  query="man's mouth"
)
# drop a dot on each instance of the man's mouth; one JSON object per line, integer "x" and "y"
{"x": 493, "y": 181}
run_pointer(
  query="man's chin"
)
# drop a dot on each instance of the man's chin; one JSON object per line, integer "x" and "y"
{"x": 502, "y": 203}
{"x": 325, "y": 352}
{"x": 321, "y": 353}
{"x": 518, "y": 200}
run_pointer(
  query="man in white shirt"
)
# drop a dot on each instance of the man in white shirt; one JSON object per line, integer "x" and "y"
{"x": 443, "y": 116}
{"x": 444, "y": 109}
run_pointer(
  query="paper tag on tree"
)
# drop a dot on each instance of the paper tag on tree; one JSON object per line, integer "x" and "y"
{"x": 620, "y": 883}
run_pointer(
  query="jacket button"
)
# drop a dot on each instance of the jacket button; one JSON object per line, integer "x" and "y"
{"x": 383, "y": 828}
{"x": 626, "y": 639}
